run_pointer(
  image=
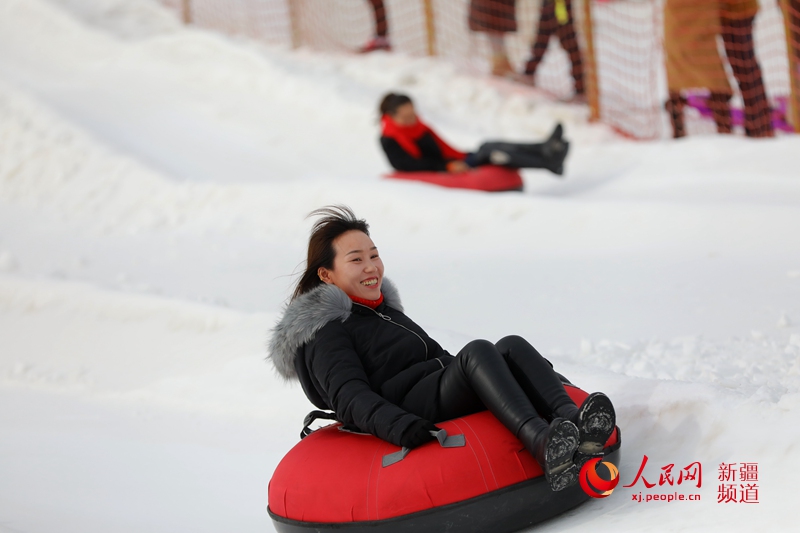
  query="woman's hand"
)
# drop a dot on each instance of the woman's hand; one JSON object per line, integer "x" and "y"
{"x": 418, "y": 434}
{"x": 457, "y": 167}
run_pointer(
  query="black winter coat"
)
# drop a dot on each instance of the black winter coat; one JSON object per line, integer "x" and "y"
{"x": 430, "y": 159}
{"x": 353, "y": 360}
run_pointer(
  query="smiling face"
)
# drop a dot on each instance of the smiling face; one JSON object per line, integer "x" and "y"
{"x": 405, "y": 115}
{"x": 357, "y": 267}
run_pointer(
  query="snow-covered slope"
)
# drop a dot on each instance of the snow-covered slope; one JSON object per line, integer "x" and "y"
{"x": 153, "y": 186}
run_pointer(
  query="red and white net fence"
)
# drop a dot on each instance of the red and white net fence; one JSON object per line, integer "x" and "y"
{"x": 622, "y": 72}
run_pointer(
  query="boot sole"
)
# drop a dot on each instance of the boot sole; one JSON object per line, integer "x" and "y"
{"x": 562, "y": 443}
{"x": 596, "y": 422}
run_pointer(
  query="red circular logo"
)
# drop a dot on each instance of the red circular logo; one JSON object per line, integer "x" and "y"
{"x": 591, "y": 482}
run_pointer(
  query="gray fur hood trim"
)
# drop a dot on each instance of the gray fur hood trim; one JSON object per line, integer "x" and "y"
{"x": 306, "y": 314}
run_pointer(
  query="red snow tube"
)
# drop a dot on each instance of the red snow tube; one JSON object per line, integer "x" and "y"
{"x": 335, "y": 481}
{"x": 486, "y": 178}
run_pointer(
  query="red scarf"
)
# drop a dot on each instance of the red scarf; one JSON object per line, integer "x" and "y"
{"x": 372, "y": 304}
{"x": 407, "y": 137}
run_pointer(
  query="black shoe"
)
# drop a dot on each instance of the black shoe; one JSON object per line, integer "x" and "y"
{"x": 553, "y": 447}
{"x": 554, "y": 146}
{"x": 596, "y": 420}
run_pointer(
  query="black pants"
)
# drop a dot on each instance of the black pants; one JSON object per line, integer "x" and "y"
{"x": 520, "y": 155}
{"x": 511, "y": 379}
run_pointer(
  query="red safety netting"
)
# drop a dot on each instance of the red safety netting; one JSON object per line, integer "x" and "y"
{"x": 632, "y": 59}
{"x": 629, "y": 60}
{"x": 265, "y": 20}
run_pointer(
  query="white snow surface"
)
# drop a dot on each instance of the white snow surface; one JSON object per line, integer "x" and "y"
{"x": 154, "y": 183}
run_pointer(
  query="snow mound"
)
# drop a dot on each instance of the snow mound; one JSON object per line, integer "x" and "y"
{"x": 759, "y": 367}
{"x": 180, "y": 355}
{"x": 127, "y": 19}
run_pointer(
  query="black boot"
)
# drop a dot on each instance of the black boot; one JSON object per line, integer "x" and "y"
{"x": 555, "y": 152}
{"x": 596, "y": 420}
{"x": 558, "y": 133}
{"x": 555, "y": 144}
{"x": 553, "y": 447}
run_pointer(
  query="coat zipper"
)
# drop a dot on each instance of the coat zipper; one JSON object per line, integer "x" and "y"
{"x": 389, "y": 319}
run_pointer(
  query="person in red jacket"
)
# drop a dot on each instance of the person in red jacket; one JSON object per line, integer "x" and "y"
{"x": 411, "y": 146}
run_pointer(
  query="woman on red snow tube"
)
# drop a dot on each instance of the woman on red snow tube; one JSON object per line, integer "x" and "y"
{"x": 345, "y": 337}
{"x": 411, "y": 146}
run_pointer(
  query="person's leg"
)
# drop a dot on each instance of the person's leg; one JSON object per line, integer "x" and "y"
{"x": 554, "y": 145}
{"x": 480, "y": 376}
{"x": 535, "y": 375}
{"x": 674, "y": 107}
{"x": 738, "y": 38}
{"x": 569, "y": 42}
{"x": 595, "y": 418}
{"x": 512, "y": 155}
{"x": 719, "y": 103}
{"x": 477, "y": 377}
{"x": 380, "y": 41}
{"x": 548, "y": 156}
{"x": 547, "y": 27}
{"x": 379, "y": 10}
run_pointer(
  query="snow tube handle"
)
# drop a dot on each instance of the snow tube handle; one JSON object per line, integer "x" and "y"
{"x": 391, "y": 458}
{"x": 310, "y": 418}
{"x": 445, "y": 441}
{"x": 449, "y": 441}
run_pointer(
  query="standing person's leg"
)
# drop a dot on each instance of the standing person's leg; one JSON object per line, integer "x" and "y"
{"x": 738, "y": 38}
{"x": 478, "y": 377}
{"x": 721, "y": 107}
{"x": 595, "y": 418}
{"x": 381, "y": 40}
{"x": 495, "y": 18}
{"x": 674, "y": 107}
{"x": 379, "y": 10}
{"x": 547, "y": 27}
{"x": 569, "y": 42}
